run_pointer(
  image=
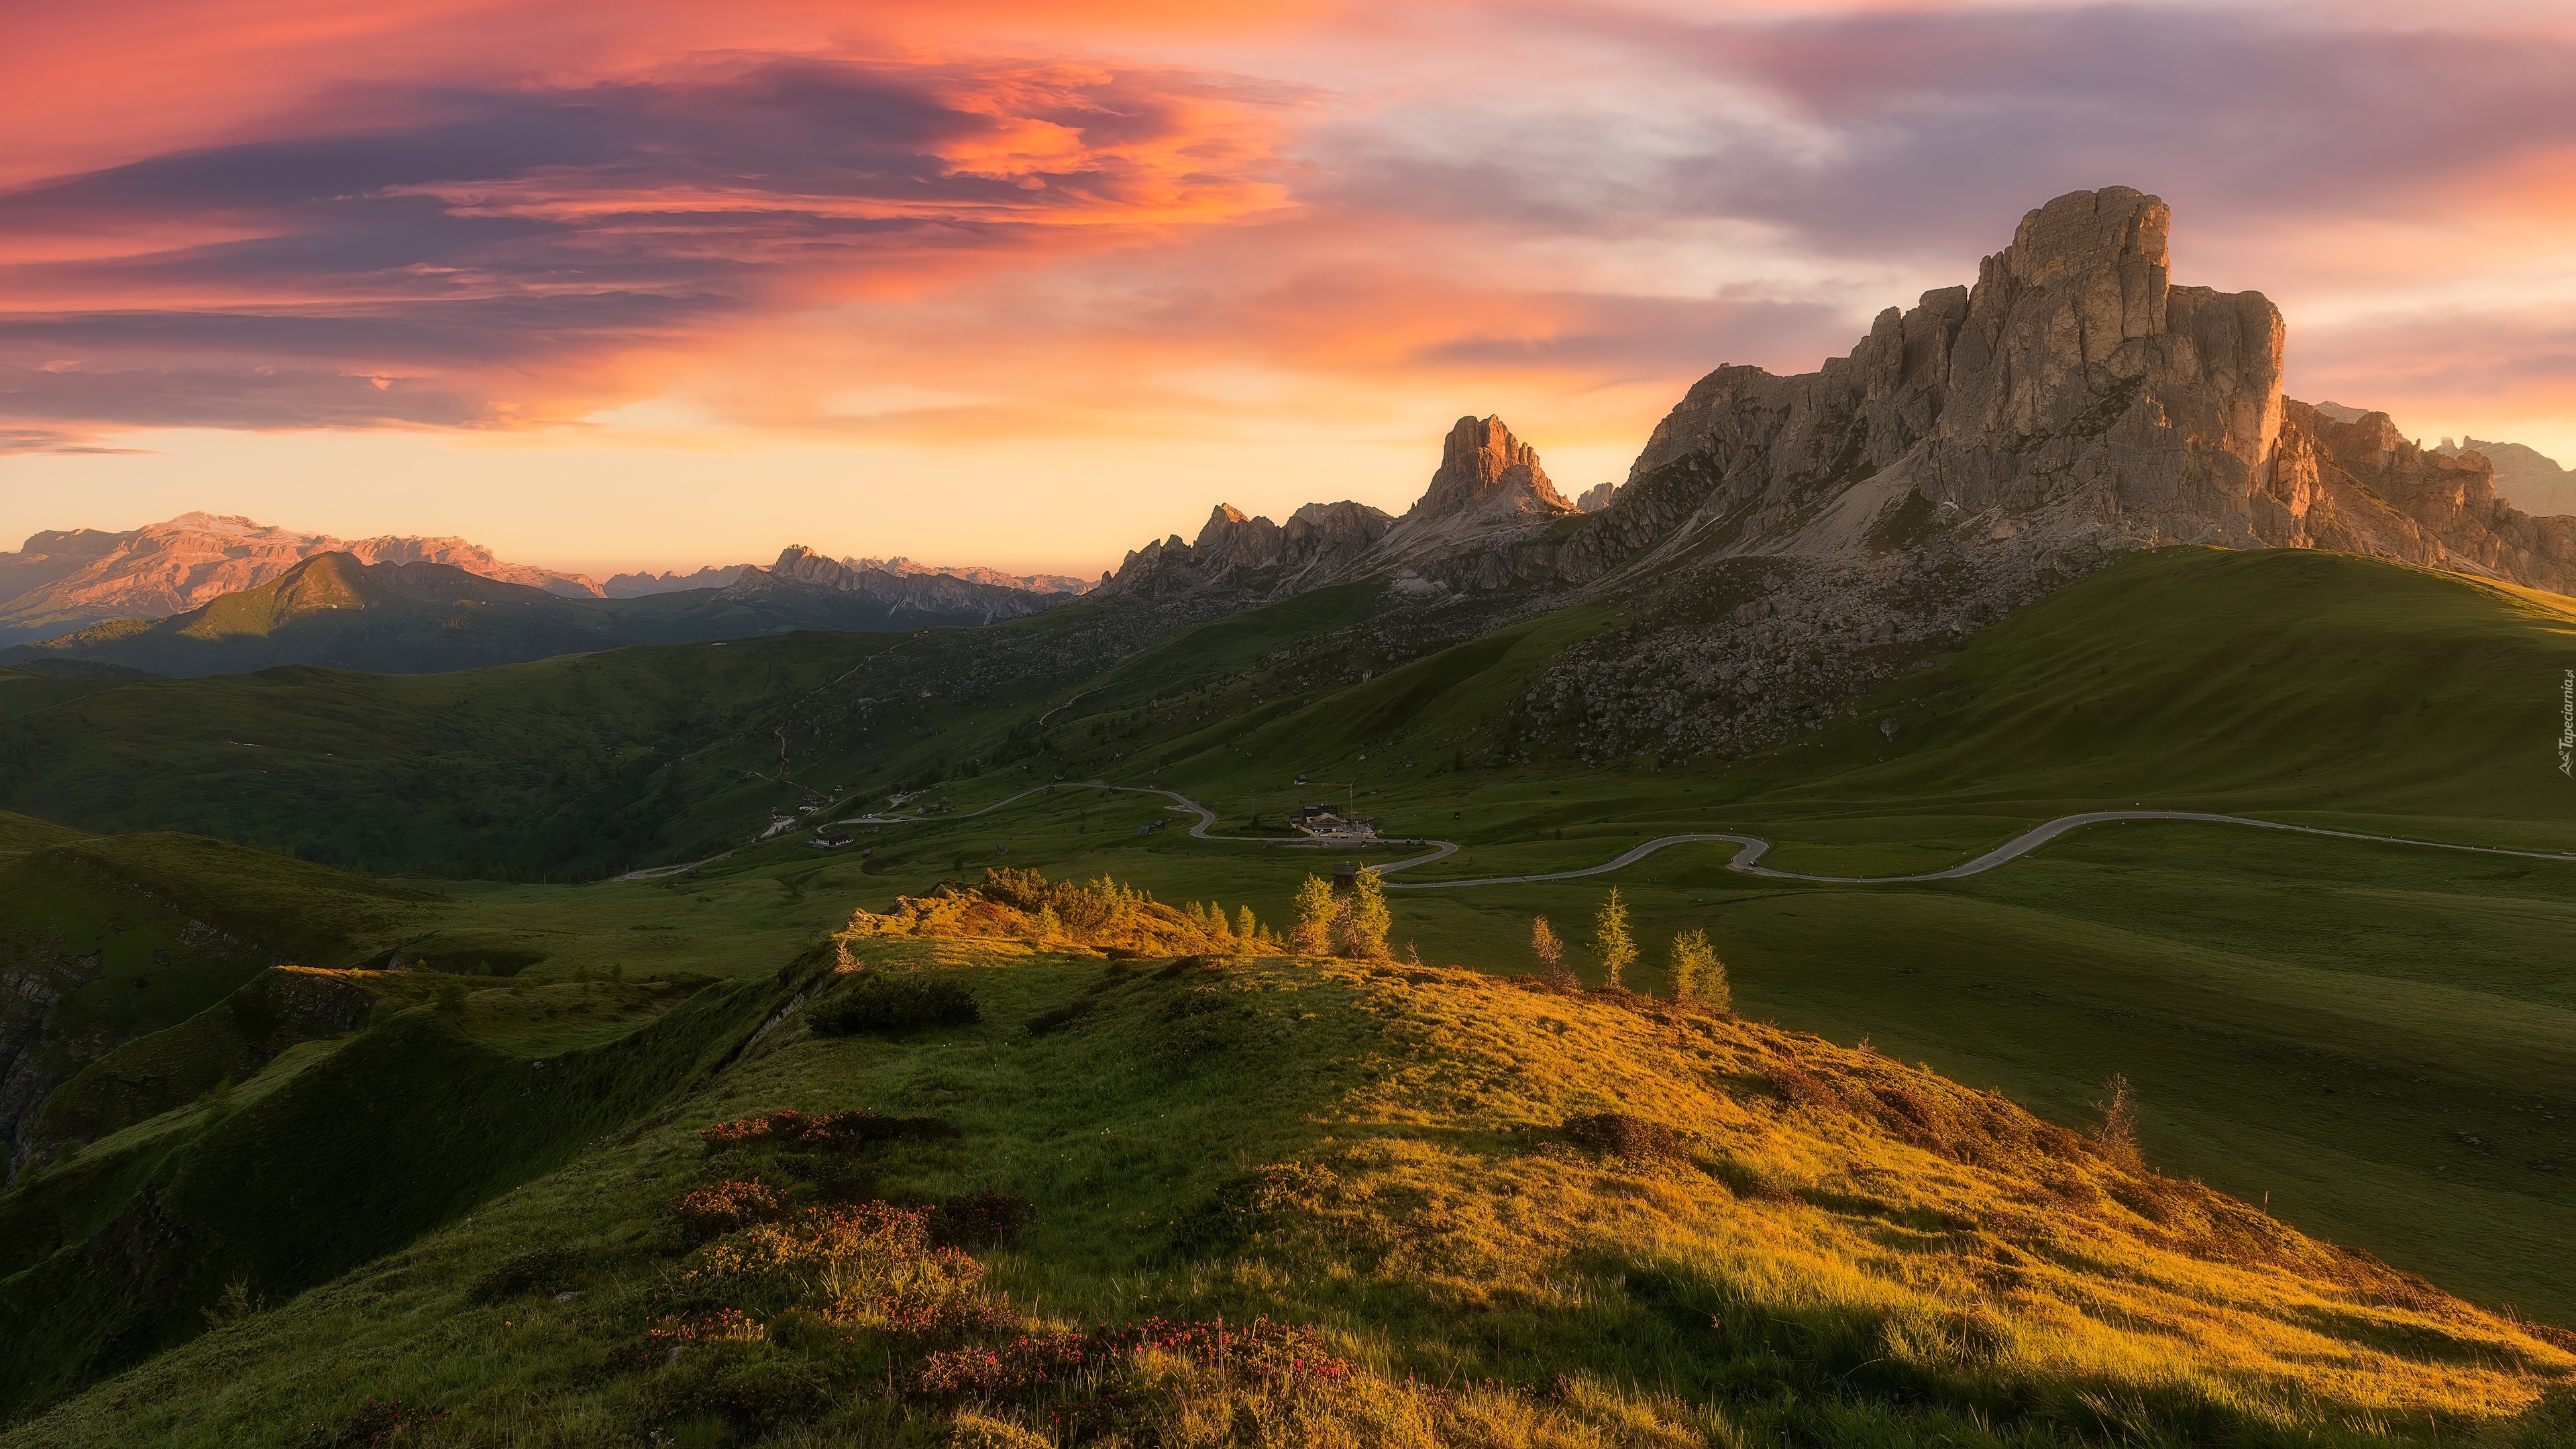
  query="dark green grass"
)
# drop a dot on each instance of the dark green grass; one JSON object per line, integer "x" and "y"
{"x": 573, "y": 766}
{"x": 118, "y": 1253}
{"x": 113, "y": 938}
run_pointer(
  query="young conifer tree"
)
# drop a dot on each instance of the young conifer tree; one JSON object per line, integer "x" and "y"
{"x": 1699, "y": 978}
{"x": 1611, "y": 944}
{"x": 1366, "y": 920}
{"x": 1549, "y": 950}
{"x": 1247, "y": 928}
{"x": 1317, "y": 909}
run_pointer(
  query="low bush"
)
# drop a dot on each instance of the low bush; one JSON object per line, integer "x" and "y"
{"x": 1632, "y": 1140}
{"x": 1249, "y": 1202}
{"x": 708, "y": 1211}
{"x": 822, "y": 1132}
{"x": 894, "y": 1005}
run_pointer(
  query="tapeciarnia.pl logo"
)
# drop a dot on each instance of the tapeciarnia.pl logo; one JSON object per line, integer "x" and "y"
{"x": 2567, "y": 725}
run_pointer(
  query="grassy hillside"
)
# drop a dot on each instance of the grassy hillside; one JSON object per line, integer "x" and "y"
{"x": 105, "y": 940}
{"x": 1427, "y": 1206}
{"x": 575, "y": 765}
{"x": 343, "y": 1149}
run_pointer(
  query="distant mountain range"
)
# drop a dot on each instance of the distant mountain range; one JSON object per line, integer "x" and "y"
{"x": 2523, "y": 477}
{"x": 70, "y": 579}
{"x": 338, "y": 610}
{"x": 67, "y": 580}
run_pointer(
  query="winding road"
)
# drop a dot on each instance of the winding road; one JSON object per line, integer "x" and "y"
{"x": 1746, "y": 860}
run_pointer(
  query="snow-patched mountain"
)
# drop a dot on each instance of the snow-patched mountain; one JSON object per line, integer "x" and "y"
{"x": 66, "y": 580}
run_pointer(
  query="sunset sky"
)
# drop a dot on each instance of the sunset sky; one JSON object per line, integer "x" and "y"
{"x": 665, "y": 284}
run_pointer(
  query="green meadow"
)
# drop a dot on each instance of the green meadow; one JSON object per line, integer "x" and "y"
{"x": 2371, "y": 1040}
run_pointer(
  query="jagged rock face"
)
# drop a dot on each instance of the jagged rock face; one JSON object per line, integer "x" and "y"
{"x": 2073, "y": 380}
{"x": 1487, "y": 473}
{"x": 978, "y": 574}
{"x": 84, "y": 576}
{"x": 2524, "y": 477}
{"x": 2073, "y": 404}
{"x": 1252, "y": 557}
{"x": 670, "y": 581}
{"x": 1595, "y": 498}
{"x": 948, "y": 598}
{"x": 2368, "y": 489}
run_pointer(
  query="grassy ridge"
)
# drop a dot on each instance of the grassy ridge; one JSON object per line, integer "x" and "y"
{"x": 1842, "y": 1249}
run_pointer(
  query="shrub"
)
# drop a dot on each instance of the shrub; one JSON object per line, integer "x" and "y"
{"x": 1550, "y": 952}
{"x": 1244, "y": 1204}
{"x": 896, "y": 1004}
{"x": 2118, "y": 1134}
{"x": 1633, "y": 1140}
{"x": 827, "y": 1132}
{"x": 708, "y": 1211}
{"x": 547, "y": 1270}
{"x": 1795, "y": 1084}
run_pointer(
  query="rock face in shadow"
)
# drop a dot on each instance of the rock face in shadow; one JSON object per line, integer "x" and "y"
{"x": 1244, "y": 559}
{"x": 906, "y": 599}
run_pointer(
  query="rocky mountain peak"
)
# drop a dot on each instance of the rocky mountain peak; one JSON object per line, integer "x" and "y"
{"x": 1486, "y": 471}
{"x": 2114, "y": 234}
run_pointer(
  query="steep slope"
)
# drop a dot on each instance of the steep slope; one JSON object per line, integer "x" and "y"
{"x": 106, "y": 940}
{"x": 1245, "y": 1197}
{"x": 68, "y": 581}
{"x": 339, "y": 1148}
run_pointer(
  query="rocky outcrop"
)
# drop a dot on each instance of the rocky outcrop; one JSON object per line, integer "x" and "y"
{"x": 2524, "y": 477}
{"x": 71, "y": 580}
{"x": 669, "y": 581}
{"x": 2369, "y": 489}
{"x": 1595, "y": 498}
{"x": 903, "y": 599}
{"x": 1487, "y": 474}
{"x": 978, "y": 573}
{"x": 1248, "y": 558}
